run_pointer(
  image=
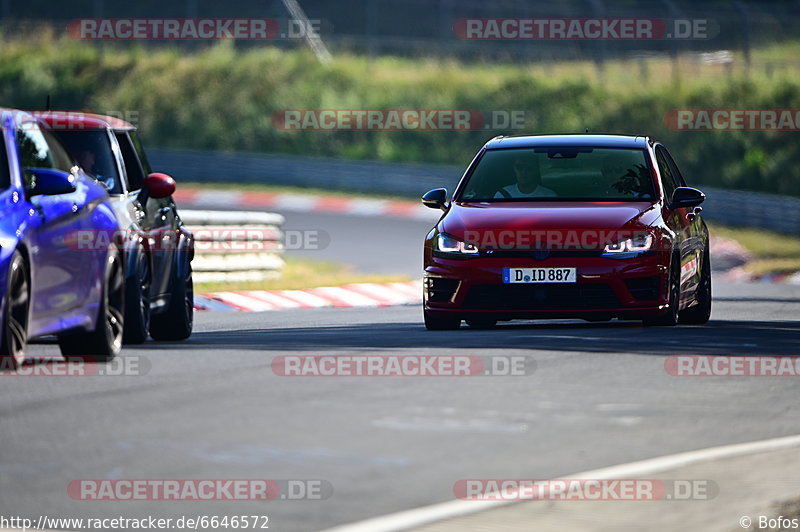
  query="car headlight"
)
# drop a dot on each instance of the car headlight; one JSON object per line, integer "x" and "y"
{"x": 448, "y": 244}
{"x": 630, "y": 247}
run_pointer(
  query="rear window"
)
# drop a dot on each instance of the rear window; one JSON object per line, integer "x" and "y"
{"x": 560, "y": 173}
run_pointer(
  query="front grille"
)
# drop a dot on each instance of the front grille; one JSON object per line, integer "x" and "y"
{"x": 440, "y": 290}
{"x": 643, "y": 288}
{"x": 541, "y": 297}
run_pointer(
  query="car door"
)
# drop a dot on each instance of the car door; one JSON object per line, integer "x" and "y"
{"x": 678, "y": 220}
{"x": 159, "y": 215}
{"x": 62, "y": 278}
{"x": 696, "y": 237}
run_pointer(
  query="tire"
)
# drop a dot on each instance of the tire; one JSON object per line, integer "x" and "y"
{"x": 105, "y": 341}
{"x": 137, "y": 302}
{"x": 481, "y": 323}
{"x": 177, "y": 322}
{"x": 15, "y": 314}
{"x": 701, "y": 312}
{"x": 434, "y": 322}
{"x": 670, "y": 316}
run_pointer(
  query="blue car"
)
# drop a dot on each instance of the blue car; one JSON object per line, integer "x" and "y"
{"x": 50, "y": 285}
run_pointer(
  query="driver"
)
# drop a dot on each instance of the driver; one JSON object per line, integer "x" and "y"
{"x": 529, "y": 181}
{"x": 87, "y": 160}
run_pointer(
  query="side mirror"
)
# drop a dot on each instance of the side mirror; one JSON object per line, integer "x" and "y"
{"x": 159, "y": 185}
{"x": 435, "y": 199}
{"x": 50, "y": 181}
{"x": 686, "y": 197}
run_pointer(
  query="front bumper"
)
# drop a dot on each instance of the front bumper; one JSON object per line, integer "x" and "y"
{"x": 626, "y": 288}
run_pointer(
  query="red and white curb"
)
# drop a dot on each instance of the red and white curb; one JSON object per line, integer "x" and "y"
{"x": 276, "y": 201}
{"x": 738, "y": 275}
{"x": 351, "y": 295}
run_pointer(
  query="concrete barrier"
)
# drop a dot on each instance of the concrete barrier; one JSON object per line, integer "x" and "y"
{"x": 235, "y": 246}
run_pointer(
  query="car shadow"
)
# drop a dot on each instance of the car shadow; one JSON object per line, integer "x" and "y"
{"x": 718, "y": 337}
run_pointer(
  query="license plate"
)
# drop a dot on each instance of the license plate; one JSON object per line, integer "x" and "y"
{"x": 540, "y": 275}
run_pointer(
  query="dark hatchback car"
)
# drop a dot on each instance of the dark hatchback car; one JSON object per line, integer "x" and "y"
{"x": 158, "y": 248}
{"x": 594, "y": 227}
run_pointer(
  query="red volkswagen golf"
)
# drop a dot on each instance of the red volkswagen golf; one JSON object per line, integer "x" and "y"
{"x": 568, "y": 226}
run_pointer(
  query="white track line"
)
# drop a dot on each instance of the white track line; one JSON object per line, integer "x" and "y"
{"x": 446, "y": 510}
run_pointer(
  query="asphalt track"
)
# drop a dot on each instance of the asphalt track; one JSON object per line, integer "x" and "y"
{"x": 212, "y": 407}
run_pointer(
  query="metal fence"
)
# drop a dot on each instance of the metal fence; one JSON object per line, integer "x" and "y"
{"x": 730, "y": 207}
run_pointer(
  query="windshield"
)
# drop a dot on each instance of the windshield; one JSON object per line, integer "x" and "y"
{"x": 560, "y": 173}
{"x": 92, "y": 150}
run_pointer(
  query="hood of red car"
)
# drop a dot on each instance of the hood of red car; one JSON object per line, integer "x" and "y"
{"x": 485, "y": 221}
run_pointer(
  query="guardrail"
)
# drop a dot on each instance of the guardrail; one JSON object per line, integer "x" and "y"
{"x": 730, "y": 207}
{"x": 235, "y": 246}
{"x": 410, "y": 180}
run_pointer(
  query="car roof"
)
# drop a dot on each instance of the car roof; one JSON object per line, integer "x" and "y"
{"x": 580, "y": 139}
{"x": 79, "y": 120}
{"x": 16, "y": 114}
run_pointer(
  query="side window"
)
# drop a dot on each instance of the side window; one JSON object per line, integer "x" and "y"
{"x": 674, "y": 168}
{"x": 132, "y": 164}
{"x": 137, "y": 144}
{"x": 668, "y": 179}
